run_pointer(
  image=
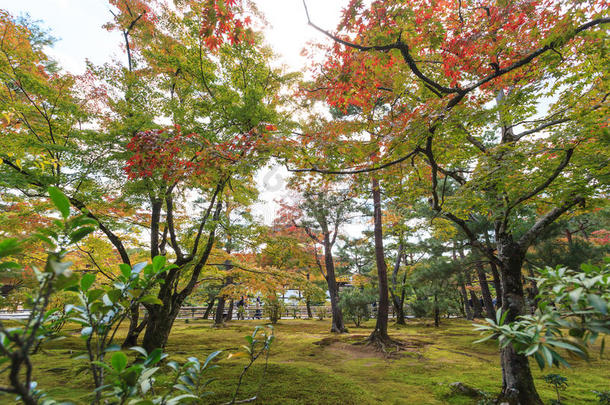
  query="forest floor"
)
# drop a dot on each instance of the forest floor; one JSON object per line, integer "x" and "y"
{"x": 308, "y": 365}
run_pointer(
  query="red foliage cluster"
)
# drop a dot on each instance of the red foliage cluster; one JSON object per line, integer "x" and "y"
{"x": 243, "y": 144}
{"x": 454, "y": 43}
{"x": 601, "y": 237}
{"x": 158, "y": 153}
{"x": 222, "y": 23}
{"x": 169, "y": 154}
{"x": 130, "y": 11}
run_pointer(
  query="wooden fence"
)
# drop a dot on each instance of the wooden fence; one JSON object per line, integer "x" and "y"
{"x": 252, "y": 312}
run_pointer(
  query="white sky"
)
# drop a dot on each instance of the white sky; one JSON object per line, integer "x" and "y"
{"x": 77, "y": 24}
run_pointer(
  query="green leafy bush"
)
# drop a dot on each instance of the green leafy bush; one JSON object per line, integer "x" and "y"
{"x": 274, "y": 307}
{"x": 558, "y": 382}
{"x": 321, "y": 312}
{"x": 355, "y": 304}
{"x": 574, "y": 301}
{"x": 99, "y": 312}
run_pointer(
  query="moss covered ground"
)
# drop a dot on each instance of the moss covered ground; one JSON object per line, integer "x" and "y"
{"x": 308, "y": 365}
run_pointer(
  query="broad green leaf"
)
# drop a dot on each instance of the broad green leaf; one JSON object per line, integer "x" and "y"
{"x": 158, "y": 263}
{"x": 140, "y": 350}
{"x": 598, "y": 303}
{"x": 151, "y": 299}
{"x": 125, "y": 269}
{"x": 95, "y": 294}
{"x": 211, "y": 357}
{"x": 60, "y": 201}
{"x": 67, "y": 282}
{"x": 9, "y": 247}
{"x": 9, "y": 266}
{"x": 119, "y": 361}
{"x": 548, "y": 356}
{"x": 114, "y": 295}
{"x": 87, "y": 281}
{"x": 80, "y": 233}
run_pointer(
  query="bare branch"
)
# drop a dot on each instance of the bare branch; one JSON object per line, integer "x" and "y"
{"x": 356, "y": 171}
{"x": 526, "y": 240}
{"x": 540, "y": 128}
{"x": 545, "y": 184}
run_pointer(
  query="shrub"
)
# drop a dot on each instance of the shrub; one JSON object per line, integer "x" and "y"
{"x": 274, "y": 307}
{"x": 99, "y": 311}
{"x": 321, "y": 312}
{"x": 574, "y": 301}
{"x": 558, "y": 382}
{"x": 421, "y": 308}
{"x": 355, "y": 305}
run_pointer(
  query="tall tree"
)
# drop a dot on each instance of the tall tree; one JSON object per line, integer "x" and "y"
{"x": 198, "y": 65}
{"x": 379, "y": 335}
{"x": 321, "y": 211}
{"x": 437, "y": 70}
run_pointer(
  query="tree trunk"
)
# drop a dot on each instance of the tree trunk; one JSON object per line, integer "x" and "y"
{"x": 533, "y": 292}
{"x": 308, "y": 302}
{"x": 403, "y": 292}
{"x": 476, "y": 304}
{"x": 487, "y": 301}
{"x": 162, "y": 317}
{"x": 160, "y": 321}
{"x": 467, "y": 308}
{"x": 398, "y": 307}
{"x": 219, "y": 318}
{"x": 517, "y": 381}
{"x": 220, "y": 309}
{"x": 437, "y": 317}
{"x": 497, "y": 283}
{"x": 134, "y": 331}
{"x": 308, "y": 305}
{"x": 230, "y": 311}
{"x": 206, "y": 314}
{"x": 461, "y": 304}
{"x": 398, "y": 302}
{"x": 333, "y": 290}
{"x": 380, "y": 334}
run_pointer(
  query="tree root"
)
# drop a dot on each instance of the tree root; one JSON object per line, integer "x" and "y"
{"x": 383, "y": 343}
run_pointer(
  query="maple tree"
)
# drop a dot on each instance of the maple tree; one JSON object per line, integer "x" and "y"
{"x": 220, "y": 96}
{"x": 228, "y": 125}
{"x": 321, "y": 209}
{"x": 290, "y": 249}
{"x": 454, "y": 89}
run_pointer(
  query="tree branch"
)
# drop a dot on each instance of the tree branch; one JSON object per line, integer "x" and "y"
{"x": 540, "y": 128}
{"x": 217, "y": 191}
{"x": 546, "y": 183}
{"x": 533, "y": 55}
{"x": 205, "y": 254}
{"x": 169, "y": 206}
{"x": 356, "y": 171}
{"x": 526, "y": 240}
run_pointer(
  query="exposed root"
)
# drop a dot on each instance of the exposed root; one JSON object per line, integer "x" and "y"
{"x": 373, "y": 345}
{"x": 383, "y": 343}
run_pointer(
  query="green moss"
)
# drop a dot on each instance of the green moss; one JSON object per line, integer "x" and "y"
{"x": 310, "y": 366}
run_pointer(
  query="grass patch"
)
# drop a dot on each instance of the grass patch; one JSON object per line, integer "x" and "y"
{"x": 308, "y": 365}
